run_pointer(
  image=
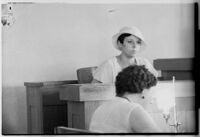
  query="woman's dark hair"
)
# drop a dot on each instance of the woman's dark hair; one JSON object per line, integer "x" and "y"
{"x": 134, "y": 79}
{"x": 122, "y": 37}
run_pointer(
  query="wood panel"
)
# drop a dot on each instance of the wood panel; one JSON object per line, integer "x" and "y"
{"x": 179, "y": 75}
{"x": 76, "y": 115}
{"x": 34, "y": 110}
{"x": 181, "y": 68}
{"x": 54, "y": 115}
{"x": 44, "y": 108}
{"x": 68, "y": 130}
{"x": 87, "y": 92}
{"x": 181, "y": 64}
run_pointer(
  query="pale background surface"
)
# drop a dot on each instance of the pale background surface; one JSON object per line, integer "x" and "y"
{"x": 48, "y": 42}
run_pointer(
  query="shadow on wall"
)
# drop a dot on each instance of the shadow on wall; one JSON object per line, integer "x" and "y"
{"x": 14, "y": 117}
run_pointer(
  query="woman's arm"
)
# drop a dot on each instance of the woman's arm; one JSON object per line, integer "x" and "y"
{"x": 104, "y": 73}
{"x": 142, "y": 122}
{"x": 95, "y": 81}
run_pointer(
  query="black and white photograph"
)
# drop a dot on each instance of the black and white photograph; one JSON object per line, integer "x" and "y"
{"x": 100, "y": 67}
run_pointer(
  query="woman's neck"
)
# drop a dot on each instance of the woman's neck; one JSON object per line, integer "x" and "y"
{"x": 125, "y": 61}
{"x": 137, "y": 98}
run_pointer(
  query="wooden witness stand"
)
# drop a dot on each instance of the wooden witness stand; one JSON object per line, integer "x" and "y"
{"x": 62, "y": 103}
{"x": 82, "y": 101}
{"x": 44, "y": 108}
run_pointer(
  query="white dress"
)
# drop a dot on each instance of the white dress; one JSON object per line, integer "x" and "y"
{"x": 108, "y": 70}
{"x": 113, "y": 116}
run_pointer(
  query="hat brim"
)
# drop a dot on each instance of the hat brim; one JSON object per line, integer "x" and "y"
{"x": 115, "y": 43}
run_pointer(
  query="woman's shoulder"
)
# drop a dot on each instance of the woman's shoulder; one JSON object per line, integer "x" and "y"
{"x": 126, "y": 103}
{"x": 112, "y": 59}
{"x": 109, "y": 62}
{"x": 142, "y": 60}
{"x": 136, "y": 105}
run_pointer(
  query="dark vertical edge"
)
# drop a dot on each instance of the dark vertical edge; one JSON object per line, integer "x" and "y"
{"x": 196, "y": 62}
{"x": 28, "y": 112}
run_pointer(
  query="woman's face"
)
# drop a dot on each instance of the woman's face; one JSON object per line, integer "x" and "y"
{"x": 131, "y": 46}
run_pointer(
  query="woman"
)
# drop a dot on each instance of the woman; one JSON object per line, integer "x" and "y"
{"x": 124, "y": 114}
{"x": 129, "y": 41}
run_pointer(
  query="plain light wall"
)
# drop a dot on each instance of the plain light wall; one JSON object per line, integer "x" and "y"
{"x": 48, "y": 42}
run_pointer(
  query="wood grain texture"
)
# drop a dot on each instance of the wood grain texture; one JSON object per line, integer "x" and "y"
{"x": 43, "y": 98}
{"x": 67, "y": 130}
{"x": 87, "y": 92}
{"x": 181, "y": 64}
{"x": 76, "y": 114}
{"x": 34, "y": 110}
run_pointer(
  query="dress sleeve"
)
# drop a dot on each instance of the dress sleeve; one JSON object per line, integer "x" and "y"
{"x": 104, "y": 73}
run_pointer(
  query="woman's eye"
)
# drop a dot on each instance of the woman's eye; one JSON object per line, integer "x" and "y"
{"x": 139, "y": 42}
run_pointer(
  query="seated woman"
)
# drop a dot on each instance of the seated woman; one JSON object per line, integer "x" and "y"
{"x": 130, "y": 42}
{"x": 124, "y": 114}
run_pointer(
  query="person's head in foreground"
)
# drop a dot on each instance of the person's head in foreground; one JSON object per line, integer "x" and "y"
{"x": 134, "y": 79}
{"x": 124, "y": 114}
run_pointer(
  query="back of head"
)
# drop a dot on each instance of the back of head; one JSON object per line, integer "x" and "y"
{"x": 134, "y": 79}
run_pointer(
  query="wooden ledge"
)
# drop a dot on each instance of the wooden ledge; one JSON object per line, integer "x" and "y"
{"x": 49, "y": 83}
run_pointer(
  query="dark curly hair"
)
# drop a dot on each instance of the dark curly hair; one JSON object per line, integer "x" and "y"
{"x": 134, "y": 79}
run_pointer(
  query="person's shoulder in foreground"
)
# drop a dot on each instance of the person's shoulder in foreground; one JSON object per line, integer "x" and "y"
{"x": 124, "y": 113}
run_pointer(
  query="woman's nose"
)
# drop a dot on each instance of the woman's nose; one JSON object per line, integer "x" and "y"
{"x": 133, "y": 45}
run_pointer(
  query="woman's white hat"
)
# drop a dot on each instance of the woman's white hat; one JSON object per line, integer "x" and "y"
{"x": 131, "y": 30}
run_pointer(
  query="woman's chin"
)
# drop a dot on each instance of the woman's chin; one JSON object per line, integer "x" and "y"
{"x": 132, "y": 55}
